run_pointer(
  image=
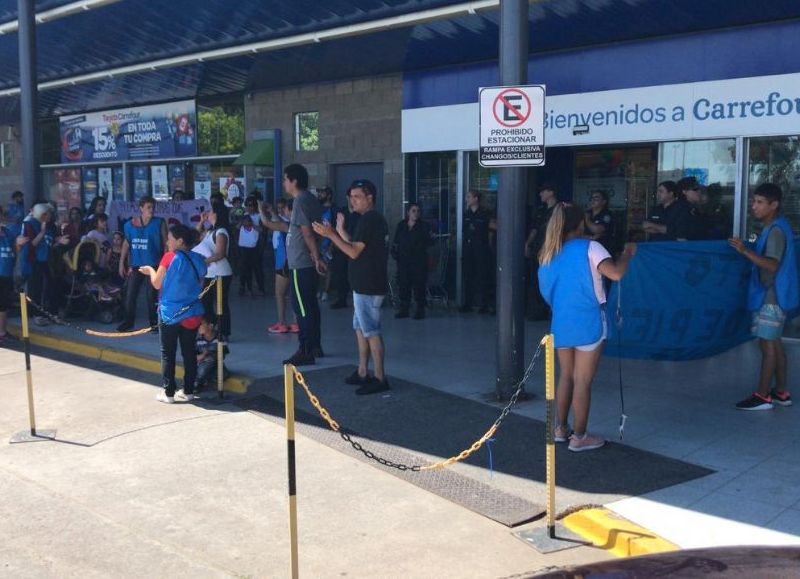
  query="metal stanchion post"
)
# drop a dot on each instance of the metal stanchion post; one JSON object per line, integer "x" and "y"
{"x": 288, "y": 383}
{"x": 551, "y": 537}
{"x": 550, "y": 393}
{"x": 33, "y": 435}
{"x": 220, "y": 345}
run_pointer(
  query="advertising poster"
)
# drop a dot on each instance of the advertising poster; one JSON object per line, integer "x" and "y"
{"x": 105, "y": 182}
{"x": 141, "y": 182}
{"x": 232, "y": 187}
{"x": 202, "y": 181}
{"x": 137, "y": 133}
{"x": 160, "y": 182}
{"x": 66, "y": 192}
{"x": 89, "y": 185}
{"x": 186, "y": 212}
{"x": 119, "y": 184}
{"x": 177, "y": 178}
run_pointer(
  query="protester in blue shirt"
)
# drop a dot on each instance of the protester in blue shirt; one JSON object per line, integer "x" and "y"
{"x": 571, "y": 271}
{"x": 35, "y": 241}
{"x": 179, "y": 276}
{"x": 145, "y": 238}
{"x": 773, "y": 295}
{"x": 8, "y": 258}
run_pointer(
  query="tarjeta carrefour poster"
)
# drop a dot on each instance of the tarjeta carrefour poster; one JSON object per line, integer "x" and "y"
{"x": 152, "y": 132}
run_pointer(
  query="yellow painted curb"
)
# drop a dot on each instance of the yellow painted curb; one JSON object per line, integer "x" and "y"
{"x": 235, "y": 384}
{"x": 607, "y": 530}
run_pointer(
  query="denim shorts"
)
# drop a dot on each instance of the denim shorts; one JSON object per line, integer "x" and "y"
{"x": 768, "y": 322}
{"x": 367, "y": 314}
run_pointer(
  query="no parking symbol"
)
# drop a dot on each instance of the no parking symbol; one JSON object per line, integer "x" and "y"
{"x": 512, "y": 126}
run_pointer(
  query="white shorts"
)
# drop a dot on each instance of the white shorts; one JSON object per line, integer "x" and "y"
{"x": 593, "y": 347}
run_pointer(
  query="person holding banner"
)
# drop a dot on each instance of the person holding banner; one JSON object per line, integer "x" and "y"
{"x": 773, "y": 293}
{"x": 179, "y": 276}
{"x": 571, "y": 271}
{"x": 145, "y": 238}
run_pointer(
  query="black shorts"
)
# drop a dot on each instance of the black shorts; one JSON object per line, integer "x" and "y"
{"x": 6, "y": 293}
{"x": 283, "y": 272}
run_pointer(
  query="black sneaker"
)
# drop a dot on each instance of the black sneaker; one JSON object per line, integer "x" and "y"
{"x": 373, "y": 386}
{"x": 401, "y": 314}
{"x": 300, "y": 358}
{"x": 125, "y": 327}
{"x": 755, "y": 402}
{"x": 419, "y": 315}
{"x": 782, "y": 398}
{"x": 355, "y": 379}
{"x": 316, "y": 352}
{"x": 338, "y": 305}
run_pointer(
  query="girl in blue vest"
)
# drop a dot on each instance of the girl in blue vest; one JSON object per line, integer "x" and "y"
{"x": 773, "y": 295}
{"x": 8, "y": 258}
{"x": 571, "y": 271}
{"x": 180, "y": 278}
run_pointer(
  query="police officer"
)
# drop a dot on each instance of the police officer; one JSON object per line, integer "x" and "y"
{"x": 477, "y": 257}
{"x": 599, "y": 223}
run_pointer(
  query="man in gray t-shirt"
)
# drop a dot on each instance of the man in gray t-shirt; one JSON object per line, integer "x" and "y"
{"x": 306, "y": 210}
{"x": 305, "y": 264}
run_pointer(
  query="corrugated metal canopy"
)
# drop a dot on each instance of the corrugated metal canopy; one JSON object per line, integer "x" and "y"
{"x": 137, "y": 31}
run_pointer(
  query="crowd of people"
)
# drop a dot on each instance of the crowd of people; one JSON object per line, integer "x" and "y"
{"x": 319, "y": 248}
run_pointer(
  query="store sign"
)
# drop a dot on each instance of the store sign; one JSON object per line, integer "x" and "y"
{"x": 512, "y": 126}
{"x": 758, "y": 106}
{"x": 139, "y": 133}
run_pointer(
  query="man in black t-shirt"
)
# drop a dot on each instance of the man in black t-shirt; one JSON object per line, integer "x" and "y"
{"x": 368, "y": 252}
{"x": 669, "y": 221}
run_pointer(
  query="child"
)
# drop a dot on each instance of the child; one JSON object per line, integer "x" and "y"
{"x": 773, "y": 293}
{"x": 113, "y": 258}
{"x": 206, "y": 346}
{"x": 99, "y": 233}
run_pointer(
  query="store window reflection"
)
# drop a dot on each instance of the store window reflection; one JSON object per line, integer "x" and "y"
{"x": 776, "y": 160}
{"x": 713, "y": 164}
{"x": 431, "y": 182}
{"x": 484, "y": 181}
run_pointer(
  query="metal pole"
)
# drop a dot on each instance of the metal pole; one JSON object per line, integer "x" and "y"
{"x": 288, "y": 395}
{"x": 220, "y": 344}
{"x": 511, "y": 205}
{"x": 32, "y": 178}
{"x": 550, "y": 394}
{"x": 26, "y": 341}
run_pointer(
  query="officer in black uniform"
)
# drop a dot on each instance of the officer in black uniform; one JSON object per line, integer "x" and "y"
{"x": 599, "y": 221}
{"x": 476, "y": 256}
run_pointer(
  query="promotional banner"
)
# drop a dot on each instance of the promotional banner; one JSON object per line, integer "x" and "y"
{"x": 232, "y": 187}
{"x": 66, "y": 191}
{"x": 202, "y": 181}
{"x": 160, "y": 182}
{"x": 680, "y": 301}
{"x": 186, "y": 212}
{"x": 151, "y": 132}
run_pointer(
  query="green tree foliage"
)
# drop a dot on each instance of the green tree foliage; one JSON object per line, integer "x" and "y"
{"x": 220, "y": 130}
{"x": 308, "y": 131}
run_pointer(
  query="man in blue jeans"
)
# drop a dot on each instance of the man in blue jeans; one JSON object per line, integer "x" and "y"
{"x": 368, "y": 253}
{"x": 305, "y": 264}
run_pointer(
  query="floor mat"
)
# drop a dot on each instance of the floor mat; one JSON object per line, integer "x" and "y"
{"x": 412, "y": 420}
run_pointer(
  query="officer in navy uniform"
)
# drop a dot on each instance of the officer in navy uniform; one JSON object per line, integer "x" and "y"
{"x": 599, "y": 224}
{"x": 477, "y": 256}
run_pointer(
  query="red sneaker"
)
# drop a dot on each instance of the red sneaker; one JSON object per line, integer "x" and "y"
{"x": 294, "y": 328}
{"x": 278, "y": 328}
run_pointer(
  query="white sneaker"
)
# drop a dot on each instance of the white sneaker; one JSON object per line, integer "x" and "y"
{"x": 585, "y": 442}
{"x": 323, "y": 297}
{"x": 180, "y": 395}
{"x": 162, "y": 397}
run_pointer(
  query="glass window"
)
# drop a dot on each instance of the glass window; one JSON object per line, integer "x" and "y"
{"x": 6, "y": 154}
{"x": 220, "y": 129}
{"x": 306, "y": 131}
{"x": 484, "y": 181}
{"x": 713, "y": 164}
{"x": 776, "y": 160}
{"x": 431, "y": 182}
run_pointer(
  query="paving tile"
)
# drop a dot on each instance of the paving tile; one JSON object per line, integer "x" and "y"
{"x": 787, "y": 522}
{"x": 731, "y": 506}
{"x": 756, "y": 483}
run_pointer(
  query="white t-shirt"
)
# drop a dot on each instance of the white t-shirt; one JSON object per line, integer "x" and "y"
{"x": 249, "y": 238}
{"x": 597, "y": 255}
{"x": 206, "y": 248}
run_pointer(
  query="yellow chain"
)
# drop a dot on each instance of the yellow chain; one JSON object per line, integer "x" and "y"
{"x": 463, "y": 455}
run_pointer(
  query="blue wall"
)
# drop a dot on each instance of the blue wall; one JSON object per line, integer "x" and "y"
{"x": 715, "y": 55}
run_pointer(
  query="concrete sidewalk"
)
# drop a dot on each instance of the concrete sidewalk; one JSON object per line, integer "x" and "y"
{"x": 134, "y": 488}
{"x": 683, "y": 410}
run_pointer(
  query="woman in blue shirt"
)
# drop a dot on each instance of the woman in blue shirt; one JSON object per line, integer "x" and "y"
{"x": 571, "y": 271}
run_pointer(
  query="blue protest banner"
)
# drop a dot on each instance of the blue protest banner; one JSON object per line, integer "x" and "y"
{"x": 680, "y": 301}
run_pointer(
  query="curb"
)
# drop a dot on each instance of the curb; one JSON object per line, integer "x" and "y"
{"x": 236, "y": 384}
{"x": 607, "y": 530}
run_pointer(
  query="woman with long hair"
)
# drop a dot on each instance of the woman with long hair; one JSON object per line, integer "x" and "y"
{"x": 180, "y": 278}
{"x": 571, "y": 271}
{"x": 214, "y": 227}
